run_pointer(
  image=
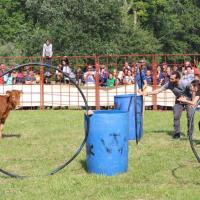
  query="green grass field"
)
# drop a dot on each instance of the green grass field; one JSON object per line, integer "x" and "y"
{"x": 35, "y": 142}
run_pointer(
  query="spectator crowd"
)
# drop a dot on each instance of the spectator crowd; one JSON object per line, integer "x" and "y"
{"x": 108, "y": 76}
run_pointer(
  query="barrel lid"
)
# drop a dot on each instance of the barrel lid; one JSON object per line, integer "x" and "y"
{"x": 125, "y": 95}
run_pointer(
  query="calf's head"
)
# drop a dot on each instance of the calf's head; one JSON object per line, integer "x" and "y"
{"x": 14, "y": 98}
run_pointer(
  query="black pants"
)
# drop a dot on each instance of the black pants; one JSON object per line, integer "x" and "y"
{"x": 178, "y": 108}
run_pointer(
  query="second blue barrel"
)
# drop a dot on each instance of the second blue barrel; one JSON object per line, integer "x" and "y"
{"x": 107, "y": 142}
{"x": 134, "y": 105}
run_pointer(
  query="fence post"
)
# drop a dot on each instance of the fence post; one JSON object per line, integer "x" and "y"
{"x": 97, "y": 92}
{"x": 154, "y": 66}
{"x": 42, "y": 86}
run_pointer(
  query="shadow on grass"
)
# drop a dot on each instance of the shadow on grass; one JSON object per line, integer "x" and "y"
{"x": 11, "y": 135}
{"x": 179, "y": 178}
{"x": 83, "y": 164}
{"x": 168, "y": 132}
{"x": 160, "y": 131}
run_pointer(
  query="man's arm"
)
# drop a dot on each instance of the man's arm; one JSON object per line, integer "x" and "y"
{"x": 155, "y": 91}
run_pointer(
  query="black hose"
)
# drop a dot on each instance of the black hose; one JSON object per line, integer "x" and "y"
{"x": 67, "y": 162}
{"x": 191, "y": 134}
{"x": 135, "y": 104}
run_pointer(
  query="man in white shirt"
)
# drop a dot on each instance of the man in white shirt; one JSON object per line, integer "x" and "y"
{"x": 47, "y": 51}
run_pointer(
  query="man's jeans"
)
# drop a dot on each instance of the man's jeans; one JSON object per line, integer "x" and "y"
{"x": 178, "y": 108}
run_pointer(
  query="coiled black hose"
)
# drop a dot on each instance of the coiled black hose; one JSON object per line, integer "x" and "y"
{"x": 77, "y": 152}
{"x": 190, "y": 136}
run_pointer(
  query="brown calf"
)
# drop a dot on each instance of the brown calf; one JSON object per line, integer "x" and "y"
{"x": 8, "y": 102}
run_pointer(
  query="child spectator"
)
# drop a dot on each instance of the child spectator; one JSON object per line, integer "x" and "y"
{"x": 14, "y": 77}
{"x": 37, "y": 77}
{"x": 110, "y": 81}
{"x": 149, "y": 77}
{"x": 20, "y": 77}
{"x": 103, "y": 75}
{"x": 115, "y": 75}
{"x": 79, "y": 76}
{"x": 58, "y": 74}
{"x": 8, "y": 79}
{"x": 89, "y": 76}
{"x": 128, "y": 79}
{"x": 47, "y": 77}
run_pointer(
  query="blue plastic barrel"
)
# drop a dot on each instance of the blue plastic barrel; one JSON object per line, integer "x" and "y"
{"x": 134, "y": 105}
{"x": 107, "y": 142}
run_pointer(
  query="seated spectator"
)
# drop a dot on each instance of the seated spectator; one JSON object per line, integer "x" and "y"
{"x": 160, "y": 76}
{"x": 20, "y": 78}
{"x": 196, "y": 77}
{"x": 120, "y": 76}
{"x": 8, "y": 79}
{"x": 59, "y": 74}
{"x": 37, "y": 77}
{"x": 1, "y": 78}
{"x": 79, "y": 76}
{"x": 14, "y": 77}
{"x": 188, "y": 74}
{"x": 195, "y": 69}
{"x": 103, "y": 76}
{"x": 149, "y": 77}
{"x": 89, "y": 76}
{"x": 67, "y": 69}
{"x": 166, "y": 75}
{"x": 30, "y": 78}
{"x": 128, "y": 79}
{"x": 110, "y": 81}
{"x": 47, "y": 77}
{"x": 115, "y": 75}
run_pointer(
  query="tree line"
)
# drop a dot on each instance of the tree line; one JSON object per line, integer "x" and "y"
{"x": 94, "y": 27}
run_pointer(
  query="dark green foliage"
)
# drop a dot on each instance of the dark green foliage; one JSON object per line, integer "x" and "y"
{"x": 78, "y": 27}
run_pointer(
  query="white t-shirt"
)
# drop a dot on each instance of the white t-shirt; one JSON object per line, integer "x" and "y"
{"x": 47, "y": 50}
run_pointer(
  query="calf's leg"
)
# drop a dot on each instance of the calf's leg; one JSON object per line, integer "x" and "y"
{"x": 1, "y": 130}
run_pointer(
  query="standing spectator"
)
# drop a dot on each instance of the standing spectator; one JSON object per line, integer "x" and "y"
{"x": 47, "y": 51}
{"x": 143, "y": 66}
{"x": 149, "y": 77}
{"x": 126, "y": 66}
{"x": 89, "y": 76}
{"x": 140, "y": 78}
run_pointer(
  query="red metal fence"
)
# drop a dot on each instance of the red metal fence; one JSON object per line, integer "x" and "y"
{"x": 63, "y": 94}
